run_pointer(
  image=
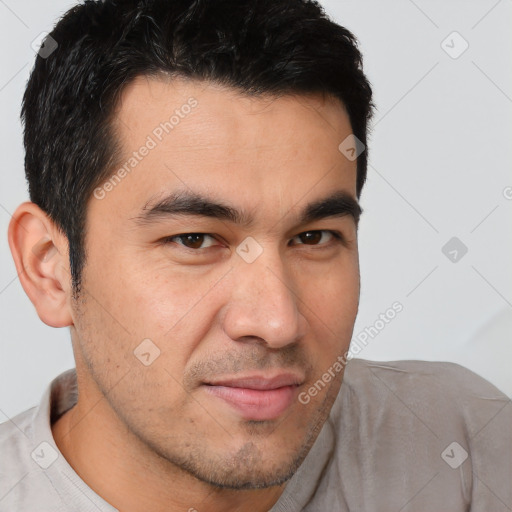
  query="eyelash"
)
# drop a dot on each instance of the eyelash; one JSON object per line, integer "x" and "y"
{"x": 336, "y": 235}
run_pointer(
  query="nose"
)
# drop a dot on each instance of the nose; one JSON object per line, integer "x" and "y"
{"x": 263, "y": 304}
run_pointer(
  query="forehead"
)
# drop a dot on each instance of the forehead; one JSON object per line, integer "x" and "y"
{"x": 213, "y": 139}
{"x": 146, "y": 96}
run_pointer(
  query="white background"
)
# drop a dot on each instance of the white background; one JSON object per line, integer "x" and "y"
{"x": 440, "y": 161}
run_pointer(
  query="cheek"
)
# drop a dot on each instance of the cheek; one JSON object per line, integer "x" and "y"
{"x": 148, "y": 297}
{"x": 176, "y": 310}
{"x": 330, "y": 305}
{"x": 114, "y": 329}
{"x": 169, "y": 300}
{"x": 332, "y": 294}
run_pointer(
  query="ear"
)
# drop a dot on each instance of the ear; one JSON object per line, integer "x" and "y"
{"x": 40, "y": 252}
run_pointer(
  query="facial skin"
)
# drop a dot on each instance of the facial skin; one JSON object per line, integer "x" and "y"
{"x": 157, "y": 437}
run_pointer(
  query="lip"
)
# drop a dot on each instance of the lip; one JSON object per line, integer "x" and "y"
{"x": 256, "y": 397}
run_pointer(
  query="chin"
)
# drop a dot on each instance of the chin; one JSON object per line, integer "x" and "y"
{"x": 248, "y": 468}
{"x": 245, "y": 478}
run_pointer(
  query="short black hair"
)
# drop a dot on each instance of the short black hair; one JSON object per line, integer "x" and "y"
{"x": 97, "y": 48}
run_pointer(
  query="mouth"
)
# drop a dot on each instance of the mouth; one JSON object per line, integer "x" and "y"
{"x": 256, "y": 397}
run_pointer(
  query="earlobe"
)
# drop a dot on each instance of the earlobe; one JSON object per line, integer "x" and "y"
{"x": 40, "y": 253}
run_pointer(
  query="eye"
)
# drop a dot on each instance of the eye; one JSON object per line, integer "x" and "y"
{"x": 318, "y": 237}
{"x": 191, "y": 240}
{"x": 198, "y": 241}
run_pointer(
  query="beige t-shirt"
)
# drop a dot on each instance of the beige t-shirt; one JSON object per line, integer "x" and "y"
{"x": 402, "y": 436}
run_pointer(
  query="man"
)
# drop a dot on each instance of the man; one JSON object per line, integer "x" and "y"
{"x": 194, "y": 170}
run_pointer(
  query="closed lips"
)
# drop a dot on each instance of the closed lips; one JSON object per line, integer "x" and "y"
{"x": 256, "y": 398}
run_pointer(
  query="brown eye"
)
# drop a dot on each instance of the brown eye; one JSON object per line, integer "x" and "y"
{"x": 191, "y": 240}
{"x": 311, "y": 237}
{"x": 318, "y": 237}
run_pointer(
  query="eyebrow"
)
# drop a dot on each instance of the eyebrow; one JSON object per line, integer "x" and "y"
{"x": 338, "y": 204}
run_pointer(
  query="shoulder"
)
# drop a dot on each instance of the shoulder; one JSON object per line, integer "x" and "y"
{"x": 24, "y": 486}
{"x": 402, "y": 423}
{"x": 443, "y": 393}
{"x": 16, "y": 469}
{"x": 440, "y": 379}
{"x": 15, "y": 433}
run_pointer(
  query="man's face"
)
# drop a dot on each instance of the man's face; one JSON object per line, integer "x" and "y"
{"x": 238, "y": 326}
